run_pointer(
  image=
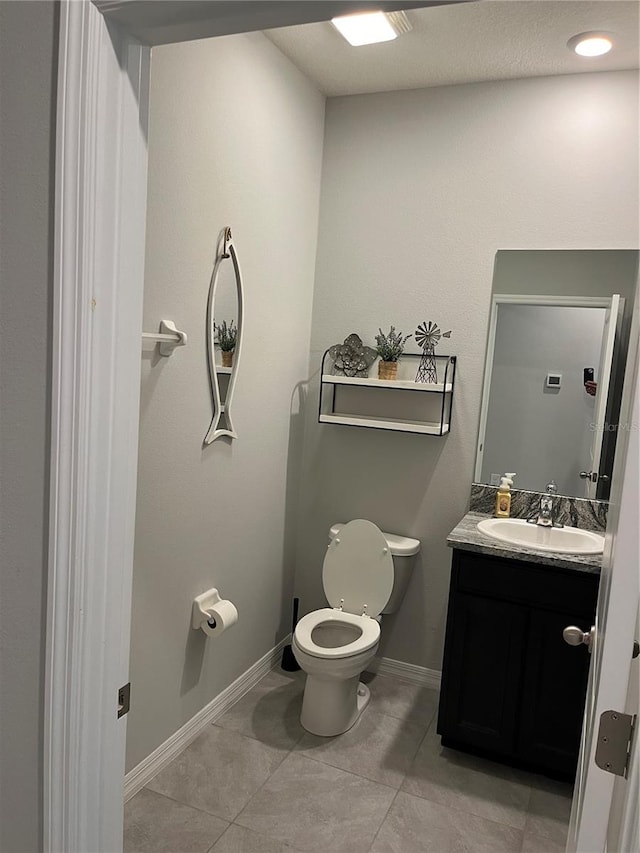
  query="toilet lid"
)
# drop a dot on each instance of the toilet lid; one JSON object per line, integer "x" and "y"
{"x": 358, "y": 569}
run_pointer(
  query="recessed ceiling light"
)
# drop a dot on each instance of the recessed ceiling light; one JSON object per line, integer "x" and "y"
{"x": 591, "y": 44}
{"x": 371, "y": 27}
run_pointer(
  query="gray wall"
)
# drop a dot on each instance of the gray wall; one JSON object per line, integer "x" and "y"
{"x": 420, "y": 189}
{"x": 235, "y": 138}
{"x": 566, "y": 272}
{"x": 28, "y": 47}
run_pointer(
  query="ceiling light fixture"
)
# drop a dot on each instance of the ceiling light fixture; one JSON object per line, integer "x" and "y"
{"x": 591, "y": 44}
{"x": 371, "y": 27}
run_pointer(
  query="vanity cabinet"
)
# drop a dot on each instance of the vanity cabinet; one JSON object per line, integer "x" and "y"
{"x": 512, "y": 689}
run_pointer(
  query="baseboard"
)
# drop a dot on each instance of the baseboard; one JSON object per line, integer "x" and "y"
{"x": 137, "y": 778}
{"x": 407, "y": 672}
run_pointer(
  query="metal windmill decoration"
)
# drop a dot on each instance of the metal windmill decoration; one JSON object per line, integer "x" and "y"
{"x": 427, "y": 336}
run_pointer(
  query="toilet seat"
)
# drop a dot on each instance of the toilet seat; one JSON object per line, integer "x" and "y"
{"x": 368, "y": 638}
{"x": 357, "y": 574}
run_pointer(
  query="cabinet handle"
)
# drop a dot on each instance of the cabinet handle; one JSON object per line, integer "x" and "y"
{"x": 575, "y": 636}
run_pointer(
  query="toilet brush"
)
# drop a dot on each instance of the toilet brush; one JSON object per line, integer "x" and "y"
{"x": 289, "y": 662}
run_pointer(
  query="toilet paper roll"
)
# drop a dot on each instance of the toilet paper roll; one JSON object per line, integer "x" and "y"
{"x": 220, "y": 617}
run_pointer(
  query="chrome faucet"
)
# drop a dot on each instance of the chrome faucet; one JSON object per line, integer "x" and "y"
{"x": 545, "y": 515}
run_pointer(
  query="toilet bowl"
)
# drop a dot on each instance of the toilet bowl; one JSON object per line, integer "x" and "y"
{"x": 334, "y": 645}
{"x": 333, "y": 648}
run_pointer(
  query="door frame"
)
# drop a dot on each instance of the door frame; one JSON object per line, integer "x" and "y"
{"x": 616, "y": 615}
{"x": 99, "y": 214}
{"x": 100, "y": 202}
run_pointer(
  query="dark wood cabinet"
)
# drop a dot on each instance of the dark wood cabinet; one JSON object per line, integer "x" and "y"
{"x": 512, "y": 689}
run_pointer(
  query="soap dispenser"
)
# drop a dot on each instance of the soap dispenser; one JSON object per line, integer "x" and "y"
{"x": 503, "y": 496}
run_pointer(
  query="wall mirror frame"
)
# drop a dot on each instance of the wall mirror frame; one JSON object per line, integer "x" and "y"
{"x": 221, "y": 376}
{"x": 594, "y": 414}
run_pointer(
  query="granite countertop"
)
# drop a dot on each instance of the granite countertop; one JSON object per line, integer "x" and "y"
{"x": 467, "y": 537}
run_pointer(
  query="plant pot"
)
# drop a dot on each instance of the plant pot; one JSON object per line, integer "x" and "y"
{"x": 387, "y": 369}
{"x": 227, "y": 358}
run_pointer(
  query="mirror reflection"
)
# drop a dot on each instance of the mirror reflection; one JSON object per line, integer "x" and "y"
{"x": 556, "y": 354}
{"x": 224, "y": 328}
{"x": 225, "y": 317}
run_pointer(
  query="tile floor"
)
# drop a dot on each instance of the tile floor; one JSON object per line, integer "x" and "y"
{"x": 256, "y": 782}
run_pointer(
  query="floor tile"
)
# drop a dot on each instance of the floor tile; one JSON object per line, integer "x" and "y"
{"x": 334, "y": 794}
{"x": 219, "y": 772}
{"x": 548, "y": 814}
{"x": 401, "y": 699}
{"x": 270, "y": 711}
{"x": 469, "y": 784}
{"x": 312, "y": 806}
{"x": 378, "y": 747}
{"x": 533, "y": 843}
{"x": 414, "y": 825}
{"x": 156, "y": 824}
{"x": 237, "y": 839}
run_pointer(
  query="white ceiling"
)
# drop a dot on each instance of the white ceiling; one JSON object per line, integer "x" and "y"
{"x": 465, "y": 43}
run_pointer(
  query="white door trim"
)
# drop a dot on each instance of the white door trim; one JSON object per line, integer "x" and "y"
{"x": 615, "y": 617}
{"x": 98, "y": 280}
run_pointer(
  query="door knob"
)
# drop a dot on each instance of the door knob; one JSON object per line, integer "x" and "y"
{"x": 575, "y": 636}
{"x": 589, "y": 475}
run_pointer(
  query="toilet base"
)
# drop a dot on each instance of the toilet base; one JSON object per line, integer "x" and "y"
{"x": 332, "y": 707}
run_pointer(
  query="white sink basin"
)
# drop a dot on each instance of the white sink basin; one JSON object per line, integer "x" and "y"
{"x": 560, "y": 540}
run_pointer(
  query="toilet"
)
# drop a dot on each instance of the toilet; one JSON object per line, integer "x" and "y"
{"x": 365, "y": 574}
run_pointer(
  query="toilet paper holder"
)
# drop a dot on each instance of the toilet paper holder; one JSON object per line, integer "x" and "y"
{"x": 202, "y": 605}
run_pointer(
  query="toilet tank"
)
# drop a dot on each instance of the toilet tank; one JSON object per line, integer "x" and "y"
{"x": 403, "y": 550}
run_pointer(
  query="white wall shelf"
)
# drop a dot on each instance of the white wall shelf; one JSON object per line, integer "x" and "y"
{"x": 372, "y": 382}
{"x": 423, "y": 427}
{"x": 389, "y": 404}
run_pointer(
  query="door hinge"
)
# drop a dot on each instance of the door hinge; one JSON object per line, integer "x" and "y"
{"x": 615, "y": 736}
{"x": 124, "y": 699}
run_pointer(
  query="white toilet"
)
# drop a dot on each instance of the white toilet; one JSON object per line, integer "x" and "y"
{"x": 365, "y": 574}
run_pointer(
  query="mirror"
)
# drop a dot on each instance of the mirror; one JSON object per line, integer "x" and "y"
{"x": 224, "y": 336}
{"x": 556, "y": 316}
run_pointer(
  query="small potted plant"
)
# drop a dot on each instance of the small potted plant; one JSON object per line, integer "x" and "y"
{"x": 226, "y": 335}
{"x": 389, "y": 347}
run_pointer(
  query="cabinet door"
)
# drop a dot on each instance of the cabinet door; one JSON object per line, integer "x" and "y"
{"x": 481, "y": 673}
{"x": 553, "y": 693}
